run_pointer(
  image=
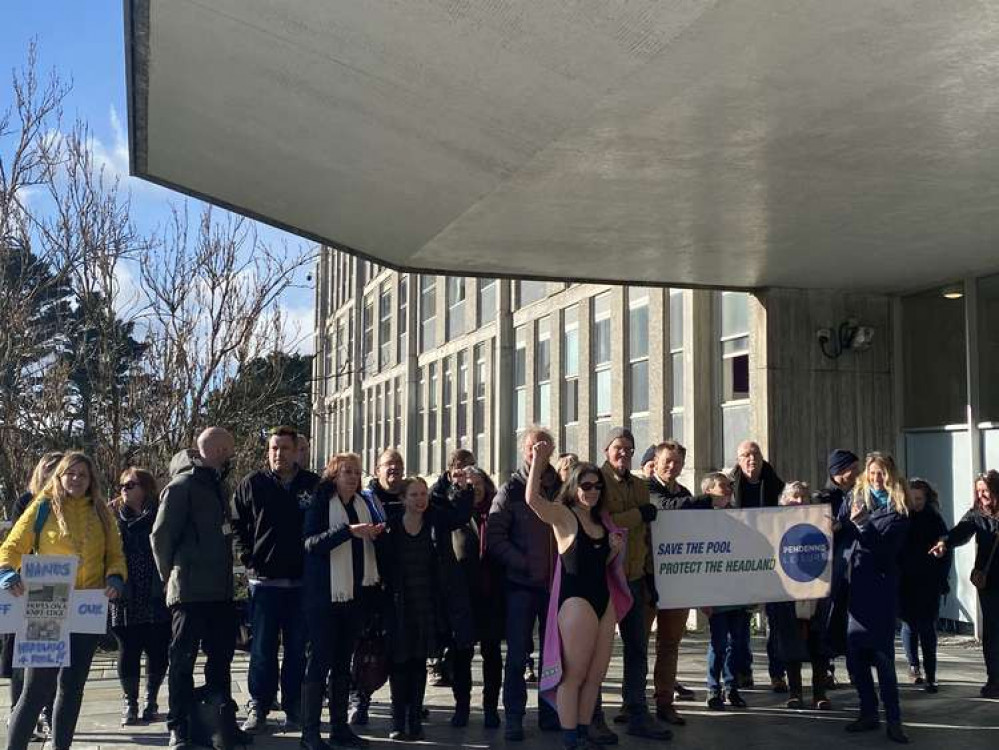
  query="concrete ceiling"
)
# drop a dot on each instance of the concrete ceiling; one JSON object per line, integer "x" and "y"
{"x": 738, "y": 143}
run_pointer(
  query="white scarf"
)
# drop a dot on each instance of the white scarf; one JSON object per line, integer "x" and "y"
{"x": 805, "y": 609}
{"x": 342, "y": 556}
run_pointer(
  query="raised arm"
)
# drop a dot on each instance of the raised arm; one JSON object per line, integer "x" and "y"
{"x": 554, "y": 514}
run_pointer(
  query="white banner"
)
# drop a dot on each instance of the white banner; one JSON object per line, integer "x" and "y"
{"x": 43, "y": 638}
{"x": 707, "y": 558}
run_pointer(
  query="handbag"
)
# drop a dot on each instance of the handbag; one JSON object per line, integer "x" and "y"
{"x": 370, "y": 669}
{"x": 212, "y": 720}
{"x": 980, "y": 577}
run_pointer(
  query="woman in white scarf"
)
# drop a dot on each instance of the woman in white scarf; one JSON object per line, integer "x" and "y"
{"x": 341, "y": 530}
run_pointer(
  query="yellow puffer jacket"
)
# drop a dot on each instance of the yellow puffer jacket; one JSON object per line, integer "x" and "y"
{"x": 102, "y": 551}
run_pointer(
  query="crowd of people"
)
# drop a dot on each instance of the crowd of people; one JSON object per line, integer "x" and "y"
{"x": 349, "y": 583}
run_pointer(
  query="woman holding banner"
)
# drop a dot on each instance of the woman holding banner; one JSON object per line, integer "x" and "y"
{"x": 589, "y": 593}
{"x": 69, "y": 517}
{"x": 982, "y": 523}
{"x": 875, "y": 524}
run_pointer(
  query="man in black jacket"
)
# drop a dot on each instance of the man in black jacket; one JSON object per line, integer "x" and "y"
{"x": 525, "y": 546}
{"x": 270, "y": 506}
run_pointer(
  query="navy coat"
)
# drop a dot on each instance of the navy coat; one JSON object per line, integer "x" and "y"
{"x": 874, "y": 576}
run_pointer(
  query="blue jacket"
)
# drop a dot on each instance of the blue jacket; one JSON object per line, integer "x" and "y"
{"x": 873, "y": 571}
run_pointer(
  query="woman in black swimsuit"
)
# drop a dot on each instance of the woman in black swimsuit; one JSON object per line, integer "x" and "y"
{"x": 586, "y": 616}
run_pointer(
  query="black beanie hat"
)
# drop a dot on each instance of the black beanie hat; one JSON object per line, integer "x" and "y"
{"x": 840, "y": 460}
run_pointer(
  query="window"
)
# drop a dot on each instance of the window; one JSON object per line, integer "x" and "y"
{"x": 520, "y": 381}
{"x": 479, "y": 421}
{"x": 428, "y": 313}
{"x": 384, "y": 327}
{"x": 602, "y": 356}
{"x": 638, "y": 364}
{"x": 447, "y": 407}
{"x": 487, "y": 300}
{"x": 462, "y": 417}
{"x": 421, "y": 421}
{"x": 368, "y": 337}
{"x": 570, "y": 378}
{"x": 434, "y": 456}
{"x": 735, "y": 371}
{"x": 527, "y": 292}
{"x": 543, "y": 372}
{"x": 455, "y": 321}
{"x": 329, "y": 362}
{"x": 676, "y": 363}
{"x": 403, "y": 324}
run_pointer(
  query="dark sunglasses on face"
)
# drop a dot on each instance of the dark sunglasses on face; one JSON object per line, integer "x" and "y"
{"x": 588, "y": 486}
{"x": 128, "y": 486}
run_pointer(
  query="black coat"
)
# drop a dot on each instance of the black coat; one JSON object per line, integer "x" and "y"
{"x": 144, "y": 600}
{"x": 771, "y": 486}
{"x": 449, "y": 584}
{"x": 985, "y": 530}
{"x": 664, "y": 498}
{"x": 516, "y": 538}
{"x": 923, "y": 577}
{"x": 791, "y": 643}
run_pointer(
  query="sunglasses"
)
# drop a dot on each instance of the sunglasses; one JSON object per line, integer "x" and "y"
{"x": 589, "y": 486}
{"x": 128, "y": 486}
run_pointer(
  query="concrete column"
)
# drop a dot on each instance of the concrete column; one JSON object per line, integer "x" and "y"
{"x": 658, "y": 365}
{"x": 585, "y": 435}
{"x": 804, "y": 404}
{"x": 700, "y": 363}
{"x": 557, "y": 326}
{"x": 620, "y": 382}
{"x": 502, "y": 394}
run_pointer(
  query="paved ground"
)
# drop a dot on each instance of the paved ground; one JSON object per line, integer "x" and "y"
{"x": 954, "y": 718}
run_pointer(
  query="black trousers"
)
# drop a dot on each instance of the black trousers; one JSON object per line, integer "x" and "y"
{"x": 67, "y": 683}
{"x": 333, "y": 630}
{"x": 492, "y": 674}
{"x": 213, "y": 626}
{"x": 151, "y": 639}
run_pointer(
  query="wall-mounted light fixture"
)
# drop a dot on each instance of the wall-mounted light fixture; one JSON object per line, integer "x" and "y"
{"x": 954, "y": 291}
{"x": 849, "y": 336}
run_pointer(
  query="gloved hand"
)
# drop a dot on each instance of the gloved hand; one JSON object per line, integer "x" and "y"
{"x": 649, "y": 512}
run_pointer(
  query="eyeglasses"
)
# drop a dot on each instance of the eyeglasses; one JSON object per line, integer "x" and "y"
{"x": 590, "y": 486}
{"x": 128, "y": 486}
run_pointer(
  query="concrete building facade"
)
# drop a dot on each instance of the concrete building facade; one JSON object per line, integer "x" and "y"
{"x": 428, "y": 364}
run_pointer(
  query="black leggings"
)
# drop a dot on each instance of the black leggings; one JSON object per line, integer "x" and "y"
{"x": 408, "y": 683}
{"x": 151, "y": 639}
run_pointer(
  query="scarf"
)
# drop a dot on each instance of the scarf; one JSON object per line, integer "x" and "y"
{"x": 879, "y": 498}
{"x": 342, "y": 556}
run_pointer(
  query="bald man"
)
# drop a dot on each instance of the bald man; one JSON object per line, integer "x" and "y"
{"x": 192, "y": 545}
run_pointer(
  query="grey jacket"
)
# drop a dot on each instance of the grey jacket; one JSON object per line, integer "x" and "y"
{"x": 192, "y": 534}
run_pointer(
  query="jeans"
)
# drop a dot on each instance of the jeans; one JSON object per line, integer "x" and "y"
{"x": 635, "y": 638}
{"x": 989, "y": 599}
{"x": 149, "y": 638}
{"x": 276, "y": 616}
{"x": 213, "y": 626}
{"x": 670, "y": 627}
{"x": 67, "y": 683}
{"x": 525, "y": 607}
{"x": 921, "y": 632}
{"x": 860, "y": 661}
{"x": 726, "y": 651}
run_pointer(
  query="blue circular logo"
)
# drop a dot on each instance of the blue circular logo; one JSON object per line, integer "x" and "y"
{"x": 803, "y": 553}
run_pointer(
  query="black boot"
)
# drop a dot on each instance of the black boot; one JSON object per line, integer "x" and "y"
{"x": 399, "y": 689}
{"x": 341, "y": 734}
{"x": 151, "y": 708}
{"x": 462, "y": 709}
{"x": 417, "y": 687}
{"x": 311, "y": 712}
{"x": 130, "y": 701}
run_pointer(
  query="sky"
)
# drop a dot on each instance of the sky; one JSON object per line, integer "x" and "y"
{"x": 83, "y": 41}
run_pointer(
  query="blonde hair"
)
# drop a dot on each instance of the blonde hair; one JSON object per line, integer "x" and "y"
{"x": 792, "y": 490}
{"x": 43, "y": 470}
{"x": 54, "y": 492}
{"x": 898, "y": 489}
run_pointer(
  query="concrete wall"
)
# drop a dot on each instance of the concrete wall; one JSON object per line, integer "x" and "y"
{"x": 805, "y": 404}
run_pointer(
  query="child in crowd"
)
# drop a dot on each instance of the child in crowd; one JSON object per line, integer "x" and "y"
{"x": 725, "y": 649}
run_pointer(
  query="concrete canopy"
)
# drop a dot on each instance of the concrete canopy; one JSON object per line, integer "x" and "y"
{"x": 729, "y": 143}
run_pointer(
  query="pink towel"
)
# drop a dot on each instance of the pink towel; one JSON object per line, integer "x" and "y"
{"x": 620, "y": 594}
